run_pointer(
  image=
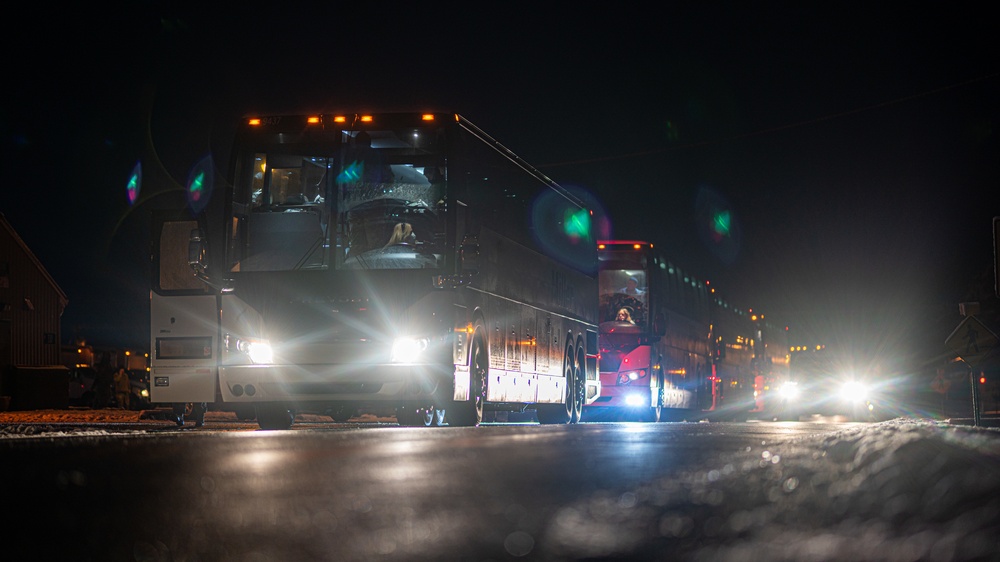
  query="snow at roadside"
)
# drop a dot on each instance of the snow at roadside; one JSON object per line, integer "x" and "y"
{"x": 903, "y": 490}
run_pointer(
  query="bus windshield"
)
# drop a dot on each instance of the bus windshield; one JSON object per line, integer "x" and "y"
{"x": 623, "y": 293}
{"x": 352, "y": 200}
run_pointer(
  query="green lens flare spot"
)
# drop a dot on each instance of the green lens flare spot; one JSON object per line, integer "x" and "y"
{"x": 576, "y": 224}
{"x": 197, "y": 186}
{"x": 721, "y": 222}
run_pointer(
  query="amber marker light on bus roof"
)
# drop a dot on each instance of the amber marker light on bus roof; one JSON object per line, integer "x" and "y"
{"x": 427, "y": 117}
{"x": 312, "y": 120}
{"x": 339, "y": 119}
{"x": 253, "y": 121}
{"x": 366, "y": 119}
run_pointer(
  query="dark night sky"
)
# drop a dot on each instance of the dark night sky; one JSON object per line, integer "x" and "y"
{"x": 855, "y": 147}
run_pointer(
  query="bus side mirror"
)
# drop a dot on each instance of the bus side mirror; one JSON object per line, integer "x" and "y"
{"x": 196, "y": 251}
{"x": 197, "y": 260}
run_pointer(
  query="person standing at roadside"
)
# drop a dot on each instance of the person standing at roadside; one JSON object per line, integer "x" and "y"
{"x": 123, "y": 389}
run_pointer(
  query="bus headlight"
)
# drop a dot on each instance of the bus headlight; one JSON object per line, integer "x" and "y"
{"x": 407, "y": 349}
{"x": 853, "y": 391}
{"x": 627, "y": 377}
{"x": 635, "y": 399}
{"x": 259, "y": 351}
{"x": 789, "y": 391}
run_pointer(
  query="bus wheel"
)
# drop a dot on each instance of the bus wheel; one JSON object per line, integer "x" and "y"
{"x": 470, "y": 412}
{"x": 180, "y": 410}
{"x": 655, "y": 412}
{"x": 567, "y": 412}
{"x": 651, "y": 415}
{"x": 274, "y": 416}
{"x": 341, "y": 413}
{"x": 579, "y": 387}
{"x": 198, "y": 413}
{"x": 406, "y": 416}
{"x": 433, "y": 417}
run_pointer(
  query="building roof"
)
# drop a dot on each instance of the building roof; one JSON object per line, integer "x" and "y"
{"x": 63, "y": 299}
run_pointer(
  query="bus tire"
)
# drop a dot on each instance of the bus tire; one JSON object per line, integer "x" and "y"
{"x": 406, "y": 416}
{"x": 567, "y": 412}
{"x": 342, "y": 412}
{"x": 580, "y": 384}
{"x": 274, "y": 416}
{"x": 432, "y": 417}
{"x": 469, "y": 413}
{"x": 655, "y": 413}
{"x": 198, "y": 413}
{"x": 179, "y": 410}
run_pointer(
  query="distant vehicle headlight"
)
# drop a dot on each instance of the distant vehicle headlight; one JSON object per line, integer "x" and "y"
{"x": 407, "y": 349}
{"x": 854, "y": 391}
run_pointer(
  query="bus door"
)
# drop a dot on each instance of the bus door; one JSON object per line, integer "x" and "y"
{"x": 184, "y": 319}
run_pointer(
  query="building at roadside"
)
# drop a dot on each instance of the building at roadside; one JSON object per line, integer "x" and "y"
{"x": 31, "y": 307}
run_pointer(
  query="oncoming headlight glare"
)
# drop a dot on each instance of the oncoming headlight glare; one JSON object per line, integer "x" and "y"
{"x": 627, "y": 377}
{"x": 854, "y": 391}
{"x": 635, "y": 399}
{"x": 789, "y": 390}
{"x": 259, "y": 351}
{"x": 407, "y": 349}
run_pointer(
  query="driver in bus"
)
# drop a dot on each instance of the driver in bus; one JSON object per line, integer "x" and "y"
{"x": 400, "y": 252}
{"x": 632, "y": 287}
{"x": 403, "y": 234}
{"x": 624, "y": 316}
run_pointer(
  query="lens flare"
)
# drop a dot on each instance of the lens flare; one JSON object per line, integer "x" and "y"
{"x": 717, "y": 225}
{"x": 576, "y": 224}
{"x": 563, "y": 229}
{"x": 199, "y": 187}
{"x": 352, "y": 172}
{"x": 134, "y": 184}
